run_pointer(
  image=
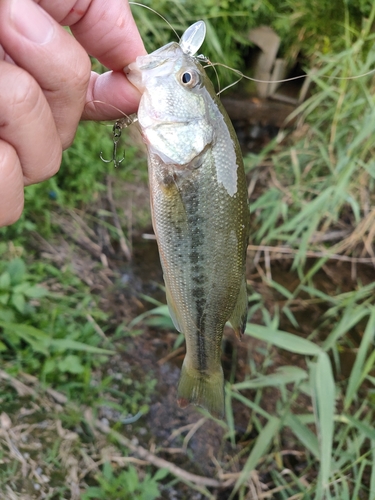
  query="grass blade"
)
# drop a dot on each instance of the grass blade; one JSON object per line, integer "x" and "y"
{"x": 282, "y": 376}
{"x": 363, "y": 428}
{"x": 282, "y": 339}
{"x": 323, "y": 391}
{"x": 350, "y": 318}
{"x": 303, "y": 433}
{"x": 74, "y": 345}
{"x": 372, "y": 479}
{"x": 357, "y": 373}
{"x": 260, "y": 447}
{"x": 229, "y": 414}
{"x": 35, "y": 337}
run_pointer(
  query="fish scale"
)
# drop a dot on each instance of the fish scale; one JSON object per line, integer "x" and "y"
{"x": 199, "y": 211}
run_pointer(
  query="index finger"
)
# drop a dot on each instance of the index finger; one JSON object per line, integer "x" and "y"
{"x": 105, "y": 28}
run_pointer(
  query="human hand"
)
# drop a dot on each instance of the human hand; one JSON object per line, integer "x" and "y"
{"x": 46, "y": 83}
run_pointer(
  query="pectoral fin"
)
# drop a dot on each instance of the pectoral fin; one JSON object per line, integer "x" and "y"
{"x": 239, "y": 315}
{"x": 172, "y": 308}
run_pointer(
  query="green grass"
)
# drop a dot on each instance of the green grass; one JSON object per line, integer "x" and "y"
{"x": 57, "y": 333}
{"x": 126, "y": 485}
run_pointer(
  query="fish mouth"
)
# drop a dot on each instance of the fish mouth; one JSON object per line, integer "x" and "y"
{"x": 162, "y": 57}
{"x": 134, "y": 75}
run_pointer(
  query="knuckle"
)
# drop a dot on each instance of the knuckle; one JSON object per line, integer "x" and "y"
{"x": 79, "y": 73}
{"x": 18, "y": 98}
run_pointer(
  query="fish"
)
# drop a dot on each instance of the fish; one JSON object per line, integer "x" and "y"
{"x": 199, "y": 207}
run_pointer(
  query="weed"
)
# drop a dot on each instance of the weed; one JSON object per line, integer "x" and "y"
{"x": 125, "y": 485}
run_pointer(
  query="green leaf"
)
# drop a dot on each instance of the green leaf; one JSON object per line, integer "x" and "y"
{"x": 281, "y": 289}
{"x": 7, "y": 315}
{"x": 363, "y": 428}
{"x": 3, "y": 347}
{"x": 37, "y": 339}
{"x": 18, "y": 301}
{"x": 231, "y": 433}
{"x": 161, "y": 474}
{"x": 323, "y": 393}
{"x": 26, "y": 330}
{"x": 372, "y": 480}
{"x": 65, "y": 344}
{"x": 282, "y": 376}
{"x": 36, "y": 292}
{"x": 303, "y": 433}
{"x": 49, "y": 366}
{"x": 351, "y": 317}
{"x": 132, "y": 479}
{"x": 4, "y": 297}
{"x": 21, "y": 288}
{"x": 17, "y": 270}
{"x": 357, "y": 374}
{"x": 284, "y": 340}
{"x": 94, "y": 492}
{"x": 108, "y": 471}
{"x": 250, "y": 404}
{"x": 157, "y": 311}
{"x": 71, "y": 364}
{"x": 288, "y": 313}
{"x": 4, "y": 281}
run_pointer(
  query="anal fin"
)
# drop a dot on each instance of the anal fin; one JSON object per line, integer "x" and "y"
{"x": 172, "y": 308}
{"x": 239, "y": 315}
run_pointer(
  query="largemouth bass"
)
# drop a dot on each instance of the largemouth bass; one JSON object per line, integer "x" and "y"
{"x": 199, "y": 208}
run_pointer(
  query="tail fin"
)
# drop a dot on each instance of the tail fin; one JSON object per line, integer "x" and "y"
{"x": 206, "y": 390}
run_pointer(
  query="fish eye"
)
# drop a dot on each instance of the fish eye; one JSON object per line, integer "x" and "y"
{"x": 186, "y": 77}
{"x": 189, "y": 78}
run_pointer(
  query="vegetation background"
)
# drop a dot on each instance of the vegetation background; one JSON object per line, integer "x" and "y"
{"x": 300, "y": 402}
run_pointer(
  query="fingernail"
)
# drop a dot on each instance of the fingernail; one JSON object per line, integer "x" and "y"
{"x": 31, "y": 21}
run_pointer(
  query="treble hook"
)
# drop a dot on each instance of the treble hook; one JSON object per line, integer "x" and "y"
{"x": 116, "y": 134}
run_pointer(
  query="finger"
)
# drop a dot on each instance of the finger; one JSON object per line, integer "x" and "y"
{"x": 27, "y": 124}
{"x": 109, "y": 96}
{"x": 50, "y": 54}
{"x": 105, "y": 28}
{"x": 11, "y": 185}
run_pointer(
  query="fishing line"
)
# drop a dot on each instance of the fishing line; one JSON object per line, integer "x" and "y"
{"x": 238, "y": 72}
{"x": 203, "y": 58}
{"x": 128, "y": 120}
{"x": 98, "y": 101}
{"x": 158, "y": 14}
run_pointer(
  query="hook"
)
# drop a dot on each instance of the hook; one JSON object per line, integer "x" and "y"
{"x": 116, "y": 134}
